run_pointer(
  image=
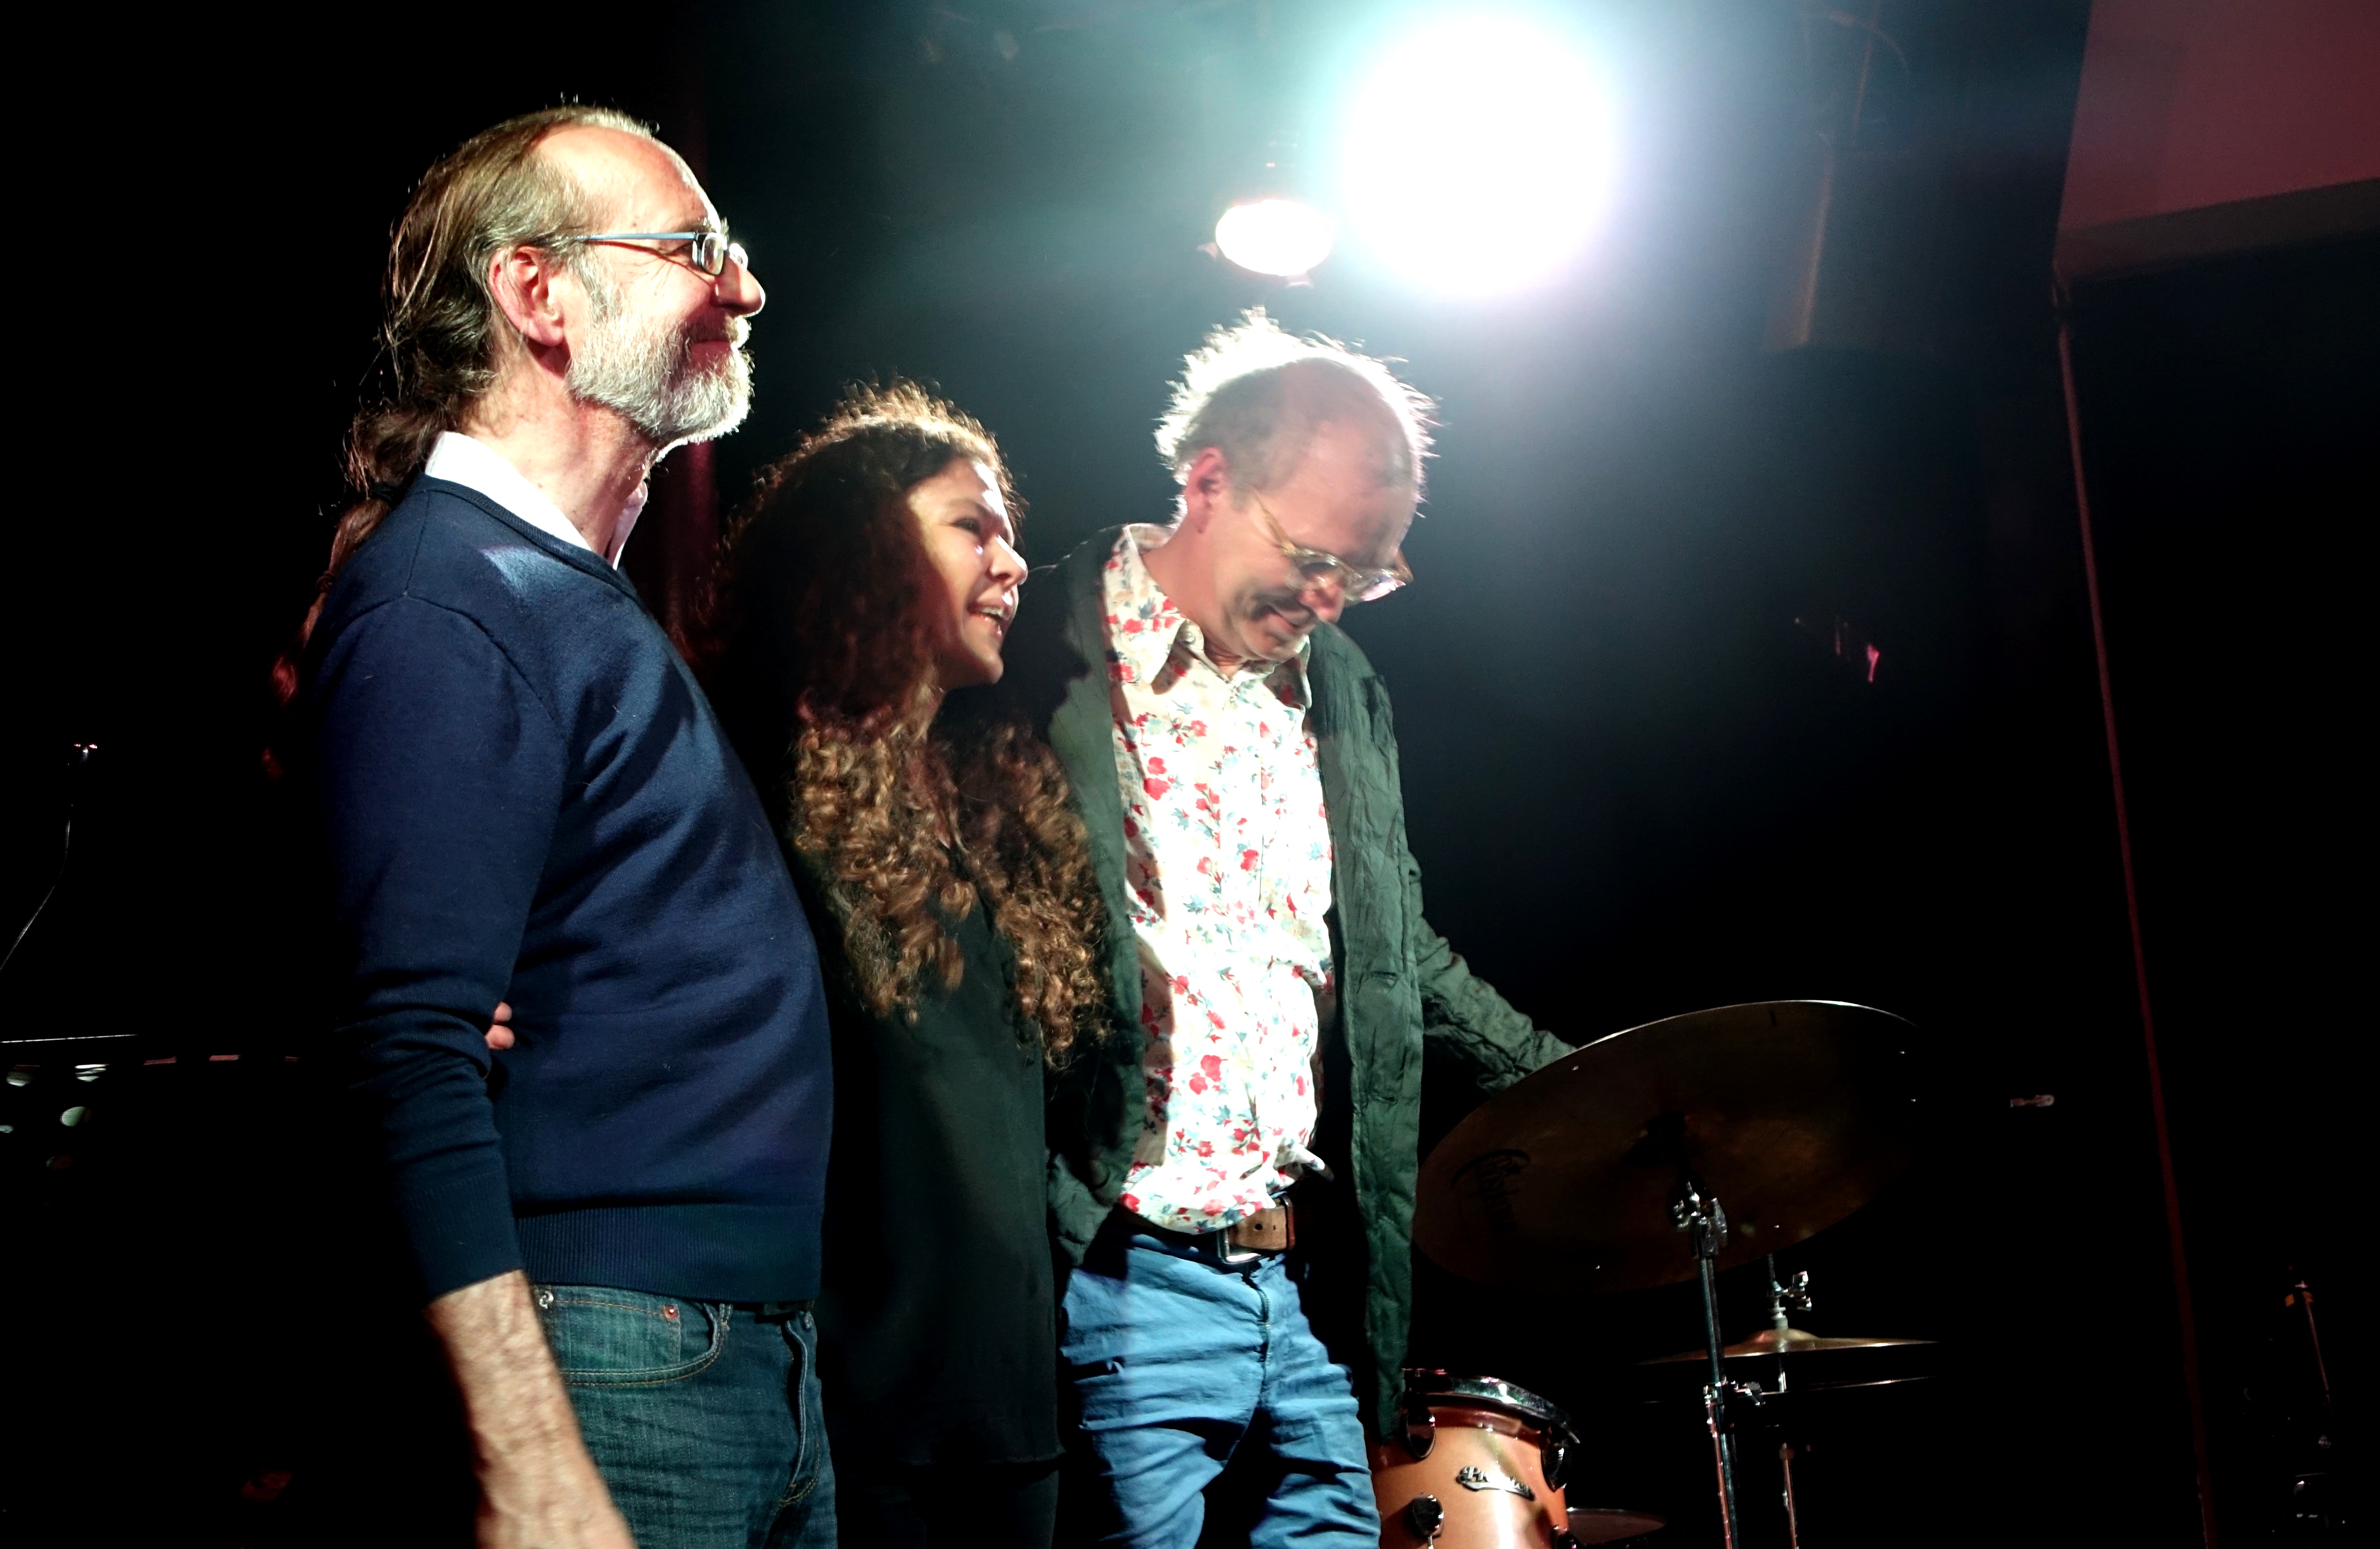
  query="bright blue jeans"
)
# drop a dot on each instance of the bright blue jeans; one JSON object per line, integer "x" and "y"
{"x": 1179, "y": 1362}
{"x": 703, "y": 1417}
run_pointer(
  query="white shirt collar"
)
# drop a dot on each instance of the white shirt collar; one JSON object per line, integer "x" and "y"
{"x": 1144, "y": 624}
{"x": 461, "y": 459}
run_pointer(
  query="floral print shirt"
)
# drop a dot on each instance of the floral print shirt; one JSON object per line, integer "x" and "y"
{"x": 1227, "y": 857}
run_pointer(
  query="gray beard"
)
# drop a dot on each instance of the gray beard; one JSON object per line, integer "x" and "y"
{"x": 641, "y": 368}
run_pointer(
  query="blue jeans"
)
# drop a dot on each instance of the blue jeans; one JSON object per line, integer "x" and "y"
{"x": 703, "y": 1417}
{"x": 1178, "y": 1362}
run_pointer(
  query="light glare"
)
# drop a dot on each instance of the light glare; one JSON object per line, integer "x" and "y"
{"x": 1274, "y": 237}
{"x": 1478, "y": 156}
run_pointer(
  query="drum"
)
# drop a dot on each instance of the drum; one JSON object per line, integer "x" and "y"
{"x": 1478, "y": 1464}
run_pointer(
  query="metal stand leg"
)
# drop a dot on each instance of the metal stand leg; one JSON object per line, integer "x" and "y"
{"x": 1695, "y": 1211}
{"x": 1792, "y": 1516}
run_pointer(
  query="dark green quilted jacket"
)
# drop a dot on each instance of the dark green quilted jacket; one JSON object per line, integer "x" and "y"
{"x": 1401, "y": 986}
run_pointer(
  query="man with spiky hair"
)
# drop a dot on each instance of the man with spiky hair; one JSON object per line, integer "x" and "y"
{"x": 612, "y": 1194}
{"x": 1234, "y": 1184}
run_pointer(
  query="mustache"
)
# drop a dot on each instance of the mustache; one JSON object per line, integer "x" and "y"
{"x": 1288, "y": 605}
{"x": 737, "y": 332}
{"x": 734, "y": 335}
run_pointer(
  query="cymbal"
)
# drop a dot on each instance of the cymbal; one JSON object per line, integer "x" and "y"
{"x": 1591, "y": 1524}
{"x": 1784, "y": 1342}
{"x": 1788, "y": 1404}
{"x": 1794, "y": 1113}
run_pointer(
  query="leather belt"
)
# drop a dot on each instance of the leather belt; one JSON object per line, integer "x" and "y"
{"x": 1265, "y": 1232}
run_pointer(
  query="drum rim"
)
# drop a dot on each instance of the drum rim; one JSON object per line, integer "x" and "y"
{"x": 1437, "y": 1380}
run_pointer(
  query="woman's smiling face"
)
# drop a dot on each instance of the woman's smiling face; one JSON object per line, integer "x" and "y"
{"x": 963, "y": 524}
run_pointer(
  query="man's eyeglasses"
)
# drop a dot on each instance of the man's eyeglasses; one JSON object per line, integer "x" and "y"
{"x": 1356, "y": 584}
{"x": 707, "y": 250}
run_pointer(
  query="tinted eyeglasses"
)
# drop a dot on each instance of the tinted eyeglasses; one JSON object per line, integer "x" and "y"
{"x": 1356, "y": 584}
{"x": 707, "y": 250}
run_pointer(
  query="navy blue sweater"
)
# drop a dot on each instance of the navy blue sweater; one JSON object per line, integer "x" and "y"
{"x": 526, "y": 797}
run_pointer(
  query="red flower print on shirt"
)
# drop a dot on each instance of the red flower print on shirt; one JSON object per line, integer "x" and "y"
{"x": 1227, "y": 854}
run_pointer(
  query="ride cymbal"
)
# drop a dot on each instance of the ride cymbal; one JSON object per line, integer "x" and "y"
{"x": 1793, "y": 1113}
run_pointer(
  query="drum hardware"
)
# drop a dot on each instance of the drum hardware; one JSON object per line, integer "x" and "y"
{"x": 1781, "y": 1338}
{"x": 1476, "y": 1463}
{"x": 1693, "y": 1209}
{"x": 1586, "y": 1175}
{"x": 1777, "y": 1341}
{"x": 1785, "y": 1297}
{"x": 1420, "y": 1427}
{"x": 1793, "y": 1112}
{"x": 1557, "y": 1459}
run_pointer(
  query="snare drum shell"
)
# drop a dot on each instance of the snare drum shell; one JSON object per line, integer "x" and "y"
{"x": 1502, "y": 1448}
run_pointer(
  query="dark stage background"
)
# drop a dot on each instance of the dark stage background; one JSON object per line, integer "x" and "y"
{"x": 1640, "y": 779}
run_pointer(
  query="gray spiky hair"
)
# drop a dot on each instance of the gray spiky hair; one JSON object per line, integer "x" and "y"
{"x": 1257, "y": 394}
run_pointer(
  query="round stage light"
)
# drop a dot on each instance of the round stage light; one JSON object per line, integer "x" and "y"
{"x": 1274, "y": 237}
{"x": 1477, "y": 154}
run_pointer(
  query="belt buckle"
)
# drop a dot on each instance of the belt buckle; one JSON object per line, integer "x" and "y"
{"x": 1227, "y": 1251}
{"x": 1247, "y": 1251}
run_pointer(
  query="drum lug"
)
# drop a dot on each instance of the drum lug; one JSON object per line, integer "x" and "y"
{"x": 1420, "y": 1429}
{"x": 1425, "y": 1516}
{"x": 1557, "y": 1464}
{"x": 1565, "y": 1539}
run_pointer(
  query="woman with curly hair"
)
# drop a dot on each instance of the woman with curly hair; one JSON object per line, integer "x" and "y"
{"x": 862, "y": 607}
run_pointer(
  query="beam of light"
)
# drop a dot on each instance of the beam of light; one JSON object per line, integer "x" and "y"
{"x": 1274, "y": 237}
{"x": 1477, "y": 154}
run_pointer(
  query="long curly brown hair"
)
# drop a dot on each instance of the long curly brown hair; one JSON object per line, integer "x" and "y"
{"x": 914, "y": 808}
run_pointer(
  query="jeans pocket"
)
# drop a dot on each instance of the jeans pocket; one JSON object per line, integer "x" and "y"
{"x": 603, "y": 1337}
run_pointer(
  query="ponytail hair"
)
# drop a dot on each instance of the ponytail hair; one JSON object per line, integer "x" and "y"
{"x": 441, "y": 333}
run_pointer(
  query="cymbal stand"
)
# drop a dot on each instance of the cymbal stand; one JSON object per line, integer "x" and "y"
{"x": 1792, "y": 1294}
{"x": 1693, "y": 1209}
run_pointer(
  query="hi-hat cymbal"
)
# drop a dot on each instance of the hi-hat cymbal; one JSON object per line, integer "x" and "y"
{"x": 1794, "y": 1113}
{"x": 1784, "y": 1342}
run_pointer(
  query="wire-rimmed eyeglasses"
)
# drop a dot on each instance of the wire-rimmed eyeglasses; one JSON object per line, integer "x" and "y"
{"x": 1356, "y": 582}
{"x": 707, "y": 250}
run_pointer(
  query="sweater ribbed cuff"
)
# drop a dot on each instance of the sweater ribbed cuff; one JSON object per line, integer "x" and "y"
{"x": 461, "y": 1229}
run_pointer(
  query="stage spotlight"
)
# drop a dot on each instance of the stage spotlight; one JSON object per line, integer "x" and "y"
{"x": 1477, "y": 153}
{"x": 1274, "y": 237}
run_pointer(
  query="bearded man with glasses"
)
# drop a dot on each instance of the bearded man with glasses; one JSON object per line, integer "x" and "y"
{"x": 1233, "y": 1176}
{"x": 581, "y": 998}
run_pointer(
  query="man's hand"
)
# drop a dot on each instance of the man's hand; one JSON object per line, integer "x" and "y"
{"x": 500, "y": 1028}
{"x": 538, "y": 1487}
